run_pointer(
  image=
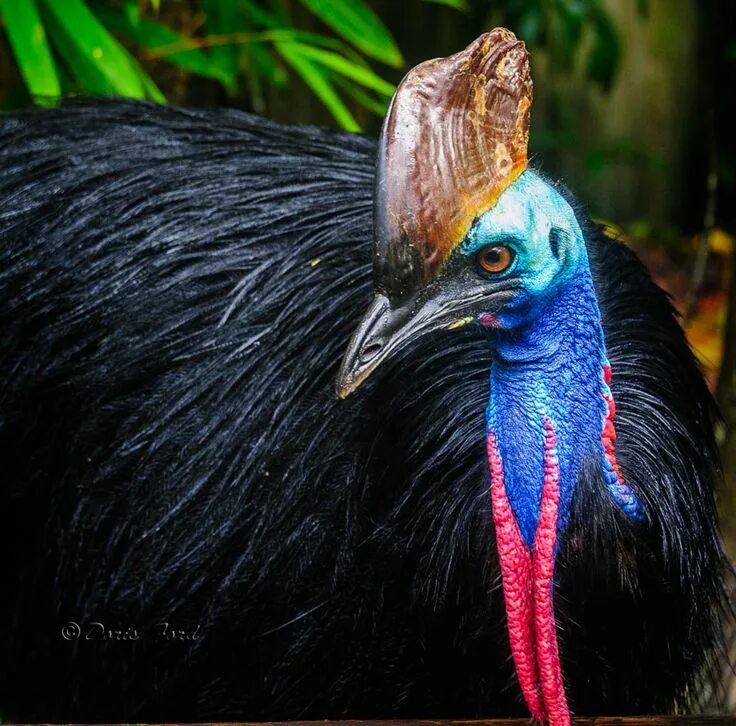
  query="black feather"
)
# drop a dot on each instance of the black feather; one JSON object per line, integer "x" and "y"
{"x": 176, "y": 290}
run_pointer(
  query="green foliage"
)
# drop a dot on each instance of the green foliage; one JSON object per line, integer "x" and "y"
{"x": 28, "y": 40}
{"x": 359, "y": 25}
{"x": 248, "y": 46}
{"x": 461, "y": 5}
{"x": 149, "y": 35}
{"x": 98, "y": 61}
{"x": 82, "y": 46}
{"x": 319, "y": 83}
{"x": 63, "y": 47}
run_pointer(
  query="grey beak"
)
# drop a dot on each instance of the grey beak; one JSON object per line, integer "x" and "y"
{"x": 382, "y": 330}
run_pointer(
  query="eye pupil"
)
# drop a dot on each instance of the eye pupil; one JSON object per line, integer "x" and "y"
{"x": 495, "y": 258}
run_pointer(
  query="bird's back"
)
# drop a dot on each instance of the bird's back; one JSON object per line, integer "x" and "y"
{"x": 176, "y": 290}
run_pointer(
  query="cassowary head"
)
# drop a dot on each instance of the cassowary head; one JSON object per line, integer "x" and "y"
{"x": 466, "y": 234}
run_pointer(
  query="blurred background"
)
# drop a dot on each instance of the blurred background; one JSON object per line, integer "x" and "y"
{"x": 634, "y": 106}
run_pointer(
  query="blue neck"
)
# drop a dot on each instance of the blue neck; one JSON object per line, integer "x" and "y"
{"x": 553, "y": 368}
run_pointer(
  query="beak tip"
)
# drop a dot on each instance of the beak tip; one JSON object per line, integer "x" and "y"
{"x": 344, "y": 386}
{"x": 366, "y": 348}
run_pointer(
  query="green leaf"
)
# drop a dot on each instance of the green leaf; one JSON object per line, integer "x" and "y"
{"x": 281, "y": 22}
{"x": 260, "y": 60}
{"x": 335, "y": 44}
{"x": 461, "y": 5}
{"x": 31, "y": 49}
{"x": 364, "y": 98}
{"x": 359, "y": 25}
{"x": 259, "y": 16}
{"x": 91, "y": 53}
{"x": 151, "y": 35}
{"x": 224, "y": 16}
{"x": 257, "y": 60}
{"x": 319, "y": 84}
{"x": 336, "y": 62}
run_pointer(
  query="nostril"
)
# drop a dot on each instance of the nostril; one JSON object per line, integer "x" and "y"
{"x": 371, "y": 350}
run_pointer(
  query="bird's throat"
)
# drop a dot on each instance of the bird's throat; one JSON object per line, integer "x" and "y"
{"x": 550, "y": 414}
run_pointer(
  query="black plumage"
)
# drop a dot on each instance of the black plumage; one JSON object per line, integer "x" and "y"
{"x": 176, "y": 291}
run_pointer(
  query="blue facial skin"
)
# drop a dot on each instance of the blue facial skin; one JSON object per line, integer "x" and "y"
{"x": 548, "y": 350}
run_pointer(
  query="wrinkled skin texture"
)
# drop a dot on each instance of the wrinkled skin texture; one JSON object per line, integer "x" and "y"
{"x": 447, "y": 120}
{"x": 173, "y": 450}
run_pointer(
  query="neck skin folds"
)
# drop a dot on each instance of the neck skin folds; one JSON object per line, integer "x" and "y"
{"x": 551, "y": 370}
{"x": 550, "y": 411}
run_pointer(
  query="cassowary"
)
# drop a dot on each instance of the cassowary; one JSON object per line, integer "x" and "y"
{"x": 196, "y": 527}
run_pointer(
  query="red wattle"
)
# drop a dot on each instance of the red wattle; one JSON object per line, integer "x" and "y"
{"x": 608, "y": 435}
{"x": 545, "y": 539}
{"x": 527, "y": 579}
{"x": 516, "y": 576}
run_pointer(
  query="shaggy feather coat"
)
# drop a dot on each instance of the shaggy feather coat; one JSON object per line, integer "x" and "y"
{"x": 176, "y": 291}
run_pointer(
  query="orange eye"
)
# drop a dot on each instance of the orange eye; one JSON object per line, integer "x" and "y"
{"x": 495, "y": 258}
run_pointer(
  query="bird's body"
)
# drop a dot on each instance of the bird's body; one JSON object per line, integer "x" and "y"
{"x": 176, "y": 291}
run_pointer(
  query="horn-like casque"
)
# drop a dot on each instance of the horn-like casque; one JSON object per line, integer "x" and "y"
{"x": 454, "y": 138}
